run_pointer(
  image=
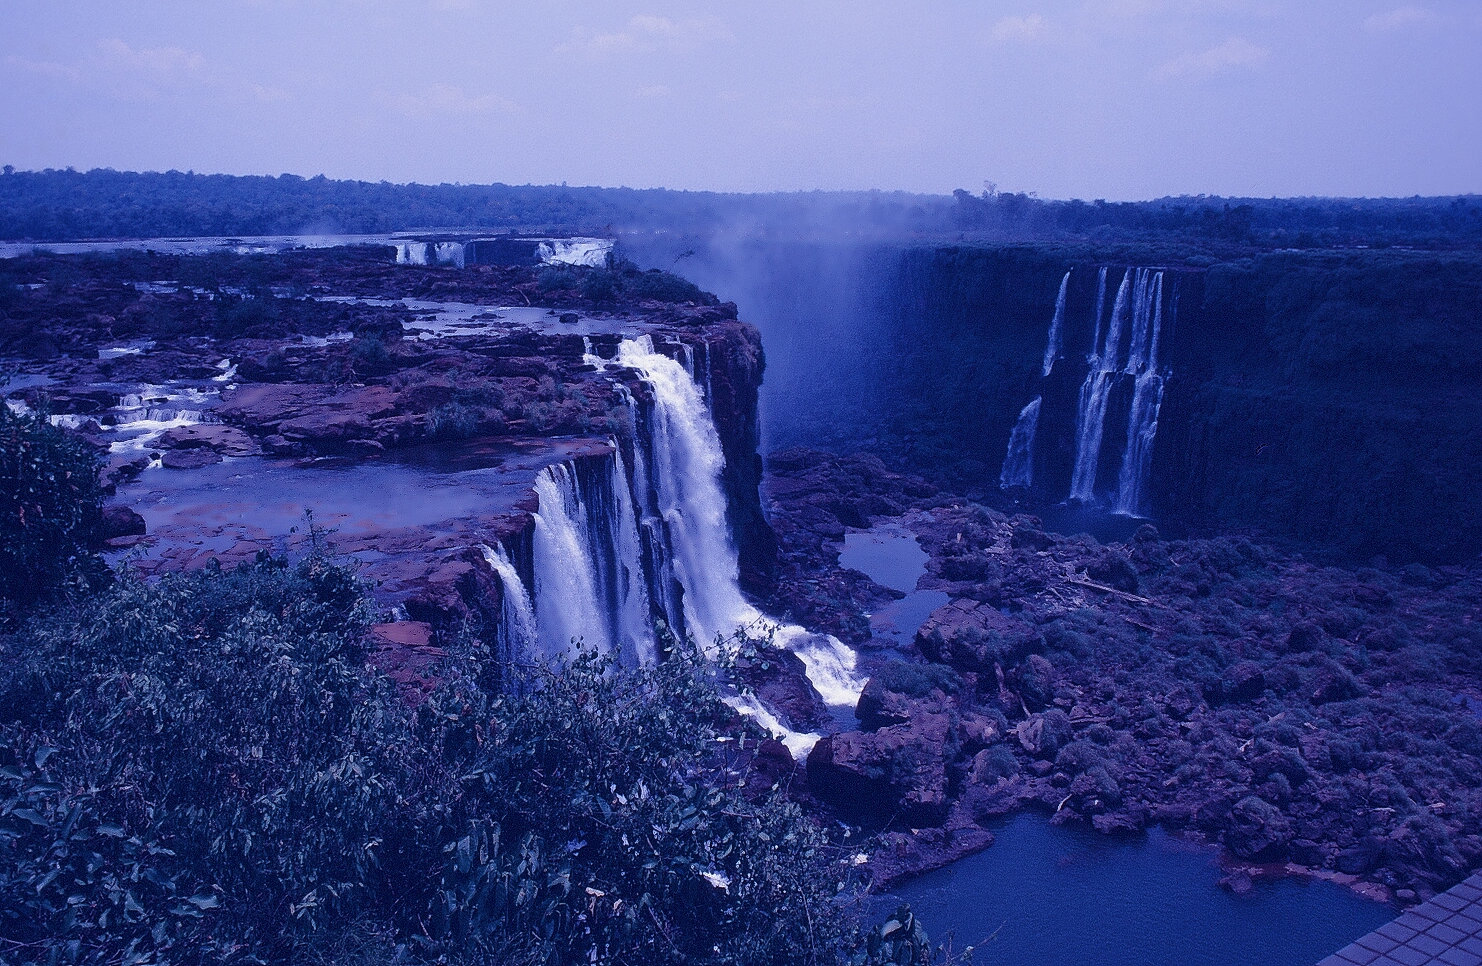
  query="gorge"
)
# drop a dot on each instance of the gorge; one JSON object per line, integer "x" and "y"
{"x": 566, "y": 452}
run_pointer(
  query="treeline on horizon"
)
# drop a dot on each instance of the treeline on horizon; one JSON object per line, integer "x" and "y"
{"x": 61, "y": 205}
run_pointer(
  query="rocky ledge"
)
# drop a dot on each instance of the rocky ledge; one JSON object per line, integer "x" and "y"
{"x": 1309, "y": 718}
{"x": 410, "y": 407}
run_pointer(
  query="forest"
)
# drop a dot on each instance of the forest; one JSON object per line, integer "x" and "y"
{"x": 56, "y": 205}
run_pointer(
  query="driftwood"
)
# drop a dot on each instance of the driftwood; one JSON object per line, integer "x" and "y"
{"x": 1102, "y": 588}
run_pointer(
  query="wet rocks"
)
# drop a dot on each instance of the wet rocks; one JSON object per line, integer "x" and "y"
{"x": 189, "y": 459}
{"x": 896, "y": 773}
{"x": 224, "y": 440}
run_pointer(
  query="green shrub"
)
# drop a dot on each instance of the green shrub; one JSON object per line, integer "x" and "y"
{"x": 663, "y": 286}
{"x": 206, "y": 768}
{"x": 50, "y": 508}
{"x": 452, "y": 421}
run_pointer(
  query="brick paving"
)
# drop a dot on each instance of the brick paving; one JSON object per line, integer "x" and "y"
{"x": 1446, "y": 930}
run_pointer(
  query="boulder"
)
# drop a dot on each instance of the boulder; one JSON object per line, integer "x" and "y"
{"x": 1244, "y": 681}
{"x": 896, "y": 773}
{"x": 226, "y": 440}
{"x": 121, "y": 521}
{"x": 780, "y": 681}
{"x": 1043, "y": 735}
{"x": 1257, "y": 830}
{"x": 188, "y": 459}
{"x": 973, "y": 636}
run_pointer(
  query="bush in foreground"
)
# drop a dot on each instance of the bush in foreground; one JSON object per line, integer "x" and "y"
{"x": 50, "y": 508}
{"x": 206, "y": 769}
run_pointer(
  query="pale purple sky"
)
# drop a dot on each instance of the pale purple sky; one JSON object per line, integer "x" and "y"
{"x": 1116, "y": 99}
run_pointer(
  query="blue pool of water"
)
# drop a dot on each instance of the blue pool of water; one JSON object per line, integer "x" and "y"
{"x": 888, "y": 554}
{"x": 1057, "y": 896}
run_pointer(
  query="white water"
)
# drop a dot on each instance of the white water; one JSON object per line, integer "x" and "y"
{"x": 1056, "y": 340}
{"x": 1147, "y": 400}
{"x": 567, "y": 607}
{"x": 591, "y": 252}
{"x": 411, "y": 253}
{"x": 687, "y": 464}
{"x": 1018, "y": 465}
{"x": 517, "y": 627}
{"x": 1095, "y": 392}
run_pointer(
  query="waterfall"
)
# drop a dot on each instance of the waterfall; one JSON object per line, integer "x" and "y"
{"x": 517, "y": 628}
{"x": 1018, "y": 465}
{"x": 1147, "y": 399}
{"x": 612, "y": 554}
{"x": 449, "y": 253}
{"x": 687, "y": 461}
{"x": 411, "y": 253}
{"x": 1057, "y": 324}
{"x": 566, "y": 604}
{"x": 1095, "y": 393}
{"x": 588, "y": 572}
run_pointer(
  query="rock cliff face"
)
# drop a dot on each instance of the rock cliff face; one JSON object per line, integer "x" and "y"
{"x": 1329, "y": 398}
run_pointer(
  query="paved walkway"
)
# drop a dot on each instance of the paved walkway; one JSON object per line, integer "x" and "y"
{"x": 1446, "y": 930}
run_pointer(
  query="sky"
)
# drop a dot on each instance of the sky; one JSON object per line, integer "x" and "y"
{"x": 1114, "y": 99}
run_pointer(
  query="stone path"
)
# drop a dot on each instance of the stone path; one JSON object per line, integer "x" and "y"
{"x": 1445, "y": 930}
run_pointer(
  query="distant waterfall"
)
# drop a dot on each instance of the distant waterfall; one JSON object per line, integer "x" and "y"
{"x": 1095, "y": 393}
{"x": 1018, "y": 465}
{"x": 411, "y": 253}
{"x": 1018, "y": 462}
{"x": 1138, "y": 315}
{"x": 1147, "y": 399}
{"x": 1057, "y": 326}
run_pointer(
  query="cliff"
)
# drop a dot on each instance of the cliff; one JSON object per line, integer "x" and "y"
{"x": 1327, "y": 398}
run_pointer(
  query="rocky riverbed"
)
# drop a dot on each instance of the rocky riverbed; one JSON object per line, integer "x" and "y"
{"x": 1309, "y": 718}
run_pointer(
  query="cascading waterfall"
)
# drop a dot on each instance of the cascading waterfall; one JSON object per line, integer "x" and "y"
{"x": 566, "y": 604}
{"x": 1147, "y": 399}
{"x": 588, "y": 575}
{"x": 1018, "y": 465}
{"x": 687, "y": 463}
{"x": 411, "y": 253}
{"x": 1095, "y": 393}
{"x": 611, "y": 554}
{"x": 1056, "y": 340}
